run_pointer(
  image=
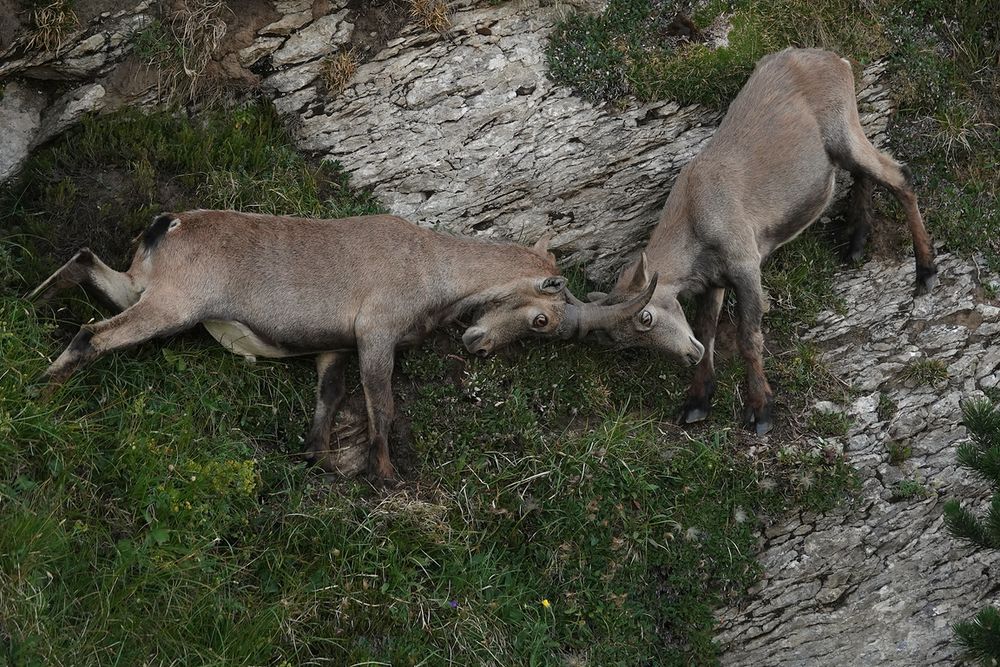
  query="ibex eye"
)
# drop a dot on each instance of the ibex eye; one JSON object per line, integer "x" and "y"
{"x": 646, "y": 318}
{"x": 540, "y": 321}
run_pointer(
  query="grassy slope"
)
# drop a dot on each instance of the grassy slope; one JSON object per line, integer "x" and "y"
{"x": 154, "y": 509}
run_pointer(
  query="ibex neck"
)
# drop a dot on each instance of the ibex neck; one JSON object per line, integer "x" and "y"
{"x": 470, "y": 271}
{"x": 673, "y": 250}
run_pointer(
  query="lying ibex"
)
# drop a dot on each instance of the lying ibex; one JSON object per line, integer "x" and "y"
{"x": 767, "y": 174}
{"x": 267, "y": 286}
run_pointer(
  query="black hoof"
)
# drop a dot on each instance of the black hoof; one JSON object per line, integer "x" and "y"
{"x": 308, "y": 454}
{"x": 759, "y": 420}
{"x": 383, "y": 480}
{"x": 853, "y": 255}
{"x": 35, "y": 390}
{"x": 695, "y": 409}
{"x": 926, "y": 280}
{"x": 44, "y": 387}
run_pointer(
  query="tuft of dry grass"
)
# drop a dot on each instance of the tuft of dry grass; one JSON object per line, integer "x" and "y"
{"x": 338, "y": 69}
{"x": 180, "y": 49}
{"x": 957, "y": 128}
{"x": 198, "y": 27}
{"x": 50, "y": 24}
{"x": 432, "y": 14}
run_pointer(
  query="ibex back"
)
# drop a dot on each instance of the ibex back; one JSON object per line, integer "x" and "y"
{"x": 269, "y": 286}
{"x": 766, "y": 175}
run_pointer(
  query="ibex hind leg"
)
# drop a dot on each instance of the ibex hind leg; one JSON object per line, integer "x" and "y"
{"x": 86, "y": 269}
{"x": 859, "y": 217}
{"x": 330, "y": 392}
{"x": 864, "y": 159}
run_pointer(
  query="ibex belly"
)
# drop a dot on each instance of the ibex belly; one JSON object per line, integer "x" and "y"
{"x": 239, "y": 338}
{"x": 799, "y": 217}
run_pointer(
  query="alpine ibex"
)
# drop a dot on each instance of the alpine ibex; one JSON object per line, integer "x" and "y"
{"x": 766, "y": 175}
{"x": 269, "y": 286}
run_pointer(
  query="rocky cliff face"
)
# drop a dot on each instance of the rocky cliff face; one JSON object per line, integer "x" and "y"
{"x": 462, "y": 130}
{"x": 881, "y": 581}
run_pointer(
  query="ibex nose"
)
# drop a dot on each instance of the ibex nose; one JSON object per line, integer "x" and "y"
{"x": 474, "y": 341}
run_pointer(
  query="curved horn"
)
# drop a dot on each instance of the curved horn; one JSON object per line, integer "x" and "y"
{"x": 582, "y": 318}
{"x": 572, "y": 300}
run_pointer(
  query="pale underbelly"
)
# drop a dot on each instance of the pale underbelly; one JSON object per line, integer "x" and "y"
{"x": 240, "y": 339}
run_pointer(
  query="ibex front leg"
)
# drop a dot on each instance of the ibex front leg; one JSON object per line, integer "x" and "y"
{"x": 750, "y": 309}
{"x": 699, "y": 399}
{"x": 145, "y": 320}
{"x": 376, "y": 360}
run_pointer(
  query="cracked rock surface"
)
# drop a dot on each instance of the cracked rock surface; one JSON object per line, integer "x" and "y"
{"x": 880, "y": 581}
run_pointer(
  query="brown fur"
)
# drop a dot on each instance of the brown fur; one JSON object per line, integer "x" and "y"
{"x": 766, "y": 175}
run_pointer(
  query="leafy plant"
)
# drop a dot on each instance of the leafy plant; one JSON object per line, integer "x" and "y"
{"x": 980, "y": 636}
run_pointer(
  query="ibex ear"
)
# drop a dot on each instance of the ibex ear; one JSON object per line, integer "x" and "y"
{"x": 552, "y": 285}
{"x": 541, "y": 246}
{"x": 640, "y": 274}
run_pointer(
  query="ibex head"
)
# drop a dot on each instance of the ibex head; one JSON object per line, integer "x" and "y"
{"x": 658, "y": 323}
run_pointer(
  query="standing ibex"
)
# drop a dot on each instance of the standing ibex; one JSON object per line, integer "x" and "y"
{"x": 766, "y": 175}
{"x": 267, "y": 286}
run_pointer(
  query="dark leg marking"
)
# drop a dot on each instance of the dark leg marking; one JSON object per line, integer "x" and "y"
{"x": 758, "y": 411}
{"x": 861, "y": 156}
{"x": 376, "y": 362}
{"x": 114, "y": 288}
{"x": 330, "y": 392}
{"x": 698, "y": 404}
{"x": 134, "y": 325}
{"x": 859, "y": 217}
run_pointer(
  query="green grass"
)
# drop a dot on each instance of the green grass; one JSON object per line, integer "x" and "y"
{"x": 899, "y": 452}
{"x": 946, "y": 82}
{"x": 829, "y": 424}
{"x": 927, "y": 372}
{"x": 155, "y": 509}
{"x": 886, "y": 408}
{"x": 627, "y": 49}
{"x": 909, "y": 489}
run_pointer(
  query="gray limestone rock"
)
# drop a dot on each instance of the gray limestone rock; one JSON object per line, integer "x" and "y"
{"x": 20, "y": 117}
{"x": 885, "y": 579}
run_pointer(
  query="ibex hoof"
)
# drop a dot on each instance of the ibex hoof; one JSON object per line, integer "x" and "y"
{"x": 759, "y": 420}
{"x": 853, "y": 255}
{"x": 763, "y": 427}
{"x": 926, "y": 280}
{"x": 382, "y": 480}
{"x": 43, "y": 387}
{"x": 695, "y": 409}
